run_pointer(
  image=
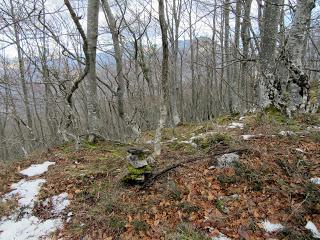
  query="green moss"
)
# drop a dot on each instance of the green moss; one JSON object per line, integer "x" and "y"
{"x": 220, "y": 205}
{"x": 89, "y": 146}
{"x": 214, "y": 139}
{"x": 224, "y": 119}
{"x": 185, "y": 231}
{"x": 188, "y": 208}
{"x": 174, "y": 191}
{"x": 66, "y": 148}
{"x": 135, "y": 174}
{"x": 139, "y": 171}
{"x": 116, "y": 224}
{"x": 226, "y": 180}
{"x": 118, "y": 153}
{"x": 275, "y": 114}
{"x": 315, "y": 136}
{"x": 140, "y": 226}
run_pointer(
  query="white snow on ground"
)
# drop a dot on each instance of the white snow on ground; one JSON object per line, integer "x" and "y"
{"x": 271, "y": 227}
{"x": 203, "y": 135}
{"x": 37, "y": 169}
{"x": 315, "y": 180}
{"x": 286, "y": 133}
{"x": 28, "y": 228}
{"x": 221, "y": 236}
{"x": 315, "y": 232}
{"x": 247, "y": 137}
{"x": 235, "y": 125}
{"x": 59, "y": 203}
{"x": 299, "y": 150}
{"x": 189, "y": 142}
{"x": 313, "y": 128}
{"x": 22, "y": 225}
{"x": 27, "y": 191}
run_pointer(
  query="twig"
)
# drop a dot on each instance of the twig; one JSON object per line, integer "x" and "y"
{"x": 149, "y": 181}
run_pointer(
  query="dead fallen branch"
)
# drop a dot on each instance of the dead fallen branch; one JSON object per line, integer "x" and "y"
{"x": 152, "y": 179}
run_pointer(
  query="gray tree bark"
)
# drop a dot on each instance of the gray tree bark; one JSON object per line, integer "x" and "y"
{"x": 92, "y": 98}
{"x": 267, "y": 91}
{"x": 297, "y": 84}
{"x": 164, "y": 97}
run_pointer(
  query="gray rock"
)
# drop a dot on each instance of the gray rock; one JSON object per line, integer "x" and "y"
{"x": 227, "y": 160}
{"x": 136, "y": 162}
{"x": 150, "y": 160}
{"x": 135, "y": 151}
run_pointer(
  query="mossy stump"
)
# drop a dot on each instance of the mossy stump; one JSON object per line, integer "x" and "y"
{"x": 138, "y": 167}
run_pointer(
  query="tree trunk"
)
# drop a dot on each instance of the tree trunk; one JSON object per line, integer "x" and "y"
{"x": 164, "y": 80}
{"x": 16, "y": 29}
{"x": 175, "y": 89}
{"x": 92, "y": 98}
{"x": 117, "y": 54}
{"x": 267, "y": 89}
{"x": 236, "y": 67}
{"x": 227, "y": 55}
{"x": 245, "y": 37}
{"x": 297, "y": 85}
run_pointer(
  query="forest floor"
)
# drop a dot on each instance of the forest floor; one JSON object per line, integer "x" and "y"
{"x": 267, "y": 195}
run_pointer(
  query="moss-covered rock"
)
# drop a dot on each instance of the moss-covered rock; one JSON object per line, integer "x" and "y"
{"x": 139, "y": 171}
{"x": 137, "y": 175}
{"x": 213, "y": 139}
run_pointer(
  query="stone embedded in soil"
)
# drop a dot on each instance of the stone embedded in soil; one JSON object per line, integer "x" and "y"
{"x": 226, "y": 160}
{"x": 136, "y": 162}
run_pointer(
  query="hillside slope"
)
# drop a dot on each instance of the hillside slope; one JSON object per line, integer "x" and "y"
{"x": 271, "y": 192}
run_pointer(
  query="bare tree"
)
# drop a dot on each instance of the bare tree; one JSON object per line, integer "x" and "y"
{"x": 164, "y": 78}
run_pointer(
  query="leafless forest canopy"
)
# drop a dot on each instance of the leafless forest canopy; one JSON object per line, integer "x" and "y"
{"x": 75, "y": 69}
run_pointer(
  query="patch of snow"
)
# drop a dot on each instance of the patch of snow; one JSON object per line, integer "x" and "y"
{"x": 271, "y": 227}
{"x": 235, "y": 125}
{"x": 315, "y": 180}
{"x": 27, "y": 191}
{"x": 315, "y": 232}
{"x": 172, "y": 140}
{"x": 221, "y": 236}
{"x": 70, "y": 214}
{"x": 189, "y": 142}
{"x": 149, "y": 142}
{"x": 286, "y": 133}
{"x": 22, "y": 225}
{"x": 313, "y": 128}
{"x": 59, "y": 203}
{"x": 28, "y": 228}
{"x": 299, "y": 150}
{"x": 37, "y": 169}
{"x": 202, "y": 135}
{"x": 247, "y": 137}
{"x": 242, "y": 118}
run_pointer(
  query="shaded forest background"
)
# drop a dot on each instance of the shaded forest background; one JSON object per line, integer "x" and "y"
{"x": 103, "y": 69}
